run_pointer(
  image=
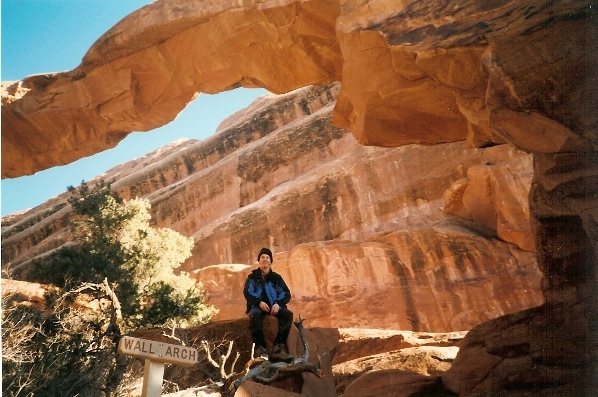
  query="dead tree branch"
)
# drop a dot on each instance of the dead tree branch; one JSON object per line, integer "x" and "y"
{"x": 268, "y": 372}
{"x": 226, "y": 378}
{"x": 258, "y": 369}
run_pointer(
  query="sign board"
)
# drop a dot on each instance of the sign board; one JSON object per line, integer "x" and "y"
{"x": 158, "y": 351}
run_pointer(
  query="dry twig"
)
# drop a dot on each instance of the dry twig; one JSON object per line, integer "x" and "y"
{"x": 258, "y": 369}
{"x": 268, "y": 372}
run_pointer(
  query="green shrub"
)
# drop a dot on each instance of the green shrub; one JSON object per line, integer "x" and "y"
{"x": 119, "y": 274}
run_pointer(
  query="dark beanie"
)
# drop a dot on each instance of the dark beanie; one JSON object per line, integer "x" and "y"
{"x": 267, "y": 252}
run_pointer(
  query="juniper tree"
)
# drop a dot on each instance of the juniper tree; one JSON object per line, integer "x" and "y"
{"x": 118, "y": 274}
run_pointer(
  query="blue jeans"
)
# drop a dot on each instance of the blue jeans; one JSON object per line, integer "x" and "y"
{"x": 285, "y": 319}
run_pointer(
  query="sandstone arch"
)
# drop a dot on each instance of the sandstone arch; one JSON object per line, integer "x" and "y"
{"x": 410, "y": 72}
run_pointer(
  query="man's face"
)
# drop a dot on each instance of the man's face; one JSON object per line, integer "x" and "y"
{"x": 265, "y": 263}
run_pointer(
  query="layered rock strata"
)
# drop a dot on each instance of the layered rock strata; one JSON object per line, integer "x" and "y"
{"x": 425, "y": 358}
{"x": 436, "y": 72}
{"x": 438, "y": 279}
{"x": 358, "y": 227}
{"x": 506, "y": 71}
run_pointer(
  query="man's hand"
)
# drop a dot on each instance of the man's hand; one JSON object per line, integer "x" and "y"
{"x": 275, "y": 309}
{"x": 264, "y": 306}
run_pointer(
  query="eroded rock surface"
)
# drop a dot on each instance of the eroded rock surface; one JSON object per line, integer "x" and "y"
{"x": 506, "y": 353}
{"x": 395, "y": 383}
{"x": 426, "y": 361}
{"x": 515, "y": 72}
{"x": 285, "y": 173}
{"x": 436, "y": 72}
{"x": 372, "y": 221}
{"x": 374, "y": 217}
{"x": 356, "y": 343}
{"x": 386, "y": 284}
{"x": 344, "y": 355}
{"x": 30, "y": 294}
{"x": 156, "y": 61}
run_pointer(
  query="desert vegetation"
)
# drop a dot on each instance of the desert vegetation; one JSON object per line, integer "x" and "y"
{"x": 118, "y": 275}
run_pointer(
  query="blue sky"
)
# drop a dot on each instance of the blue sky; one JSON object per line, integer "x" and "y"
{"x": 42, "y": 36}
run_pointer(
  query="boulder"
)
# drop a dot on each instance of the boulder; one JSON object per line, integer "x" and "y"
{"x": 507, "y": 354}
{"x": 423, "y": 360}
{"x": 395, "y": 383}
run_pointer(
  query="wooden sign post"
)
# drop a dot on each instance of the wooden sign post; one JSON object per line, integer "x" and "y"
{"x": 156, "y": 354}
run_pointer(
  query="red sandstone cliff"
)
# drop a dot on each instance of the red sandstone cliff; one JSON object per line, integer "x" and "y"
{"x": 356, "y": 227}
{"x": 516, "y": 72}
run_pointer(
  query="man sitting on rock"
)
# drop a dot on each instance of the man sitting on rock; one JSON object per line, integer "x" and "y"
{"x": 267, "y": 293}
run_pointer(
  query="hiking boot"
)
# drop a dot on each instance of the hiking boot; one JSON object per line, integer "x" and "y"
{"x": 279, "y": 354}
{"x": 260, "y": 351}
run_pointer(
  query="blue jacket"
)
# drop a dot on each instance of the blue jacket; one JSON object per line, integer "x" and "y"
{"x": 270, "y": 289}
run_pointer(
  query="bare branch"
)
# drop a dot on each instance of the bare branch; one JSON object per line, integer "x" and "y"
{"x": 268, "y": 372}
{"x": 259, "y": 369}
{"x": 232, "y": 367}
{"x": 223, "y": 360}
{"x": 206, "y": 347}
{"x": 115, "y": 304}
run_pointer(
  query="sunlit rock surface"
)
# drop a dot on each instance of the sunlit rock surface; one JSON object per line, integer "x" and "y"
{"x": 29, "y": 294}
{"x": 357, "y": 228}
{"x": 282, "y": 171}
{"x": 436, "y": 72}
{"x": 440, "y": 279}
{"x": 344, "y": 355}
{"x": 353, "y": 224}
{"x": 516, "y": 72}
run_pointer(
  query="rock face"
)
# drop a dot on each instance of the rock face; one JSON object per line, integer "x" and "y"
{"x": 156, "y": 65}
{"x": 356, "y": 227}
{"x": 220, "y": 333}
{"x": 516, "y": 72}
{"x": 429, "y": 355}
{"x": 489, "y": 361}
{"x": 436, "y": 72}
{"x": 30, "y": 294}
{"x": 397, "y": 282}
